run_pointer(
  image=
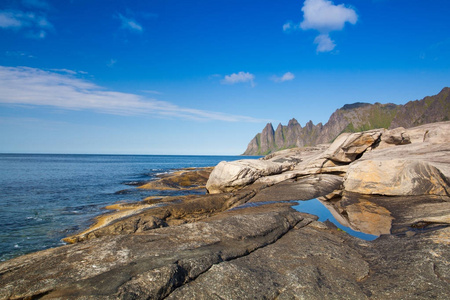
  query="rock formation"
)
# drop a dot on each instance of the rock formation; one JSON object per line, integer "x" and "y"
{"x": 352, "y": 118}
{"x": 245, "y": 241}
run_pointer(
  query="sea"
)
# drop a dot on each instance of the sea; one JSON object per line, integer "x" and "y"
{"x": 46, "y": 197}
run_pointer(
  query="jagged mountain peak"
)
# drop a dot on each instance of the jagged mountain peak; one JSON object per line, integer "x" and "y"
{"x": 354, "y": 117}
{"x": 293, "y": 122}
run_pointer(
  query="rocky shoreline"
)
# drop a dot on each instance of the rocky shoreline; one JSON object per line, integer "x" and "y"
{"x": 391, "y": 183}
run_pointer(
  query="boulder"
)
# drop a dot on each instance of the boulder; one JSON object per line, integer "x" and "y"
{"x": 415, "y": 169}
{"x": 396, "y": 177}
{"x": 231, "y": 176}
{"x": 394, "y": 137}
{"x": 349, "y": 146}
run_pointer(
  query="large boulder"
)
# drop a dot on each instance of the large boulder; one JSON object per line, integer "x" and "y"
{"x": 348, "y": 147}
{"x": 416, "y": 169}
{"x": 231, "y": 176}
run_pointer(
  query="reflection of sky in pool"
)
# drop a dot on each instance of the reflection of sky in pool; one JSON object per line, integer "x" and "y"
{"x": 315, "y": 207}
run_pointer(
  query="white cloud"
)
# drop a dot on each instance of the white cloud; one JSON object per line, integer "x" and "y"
{"x": 286, "y": 77}
{"x": 287, "y": 26}
{"x": 31, "y": 86}
{"x": 130, "y": 24}
{"x": 238, "y": 78}
{"x": 324, "y": 16}
{"x": 35, "y": 24}
{"x": 324, "y": 43}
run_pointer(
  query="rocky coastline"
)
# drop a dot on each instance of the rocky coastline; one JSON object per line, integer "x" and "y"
{"x": 391, "y": 183}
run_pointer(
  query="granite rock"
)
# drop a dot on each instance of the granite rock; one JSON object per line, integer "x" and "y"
{"x": 230, "y": 176}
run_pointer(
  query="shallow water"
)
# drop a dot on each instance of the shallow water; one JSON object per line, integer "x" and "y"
{"x": 46, "y": 197}
{"x": 316, "y": 207}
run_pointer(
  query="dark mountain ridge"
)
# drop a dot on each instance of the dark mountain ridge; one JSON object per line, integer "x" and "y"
{"x": 354, "y": 117}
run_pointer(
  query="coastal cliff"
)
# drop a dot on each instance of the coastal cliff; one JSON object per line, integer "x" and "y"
{"x": 355, "y": 117}
{"x": 244, "y": 239}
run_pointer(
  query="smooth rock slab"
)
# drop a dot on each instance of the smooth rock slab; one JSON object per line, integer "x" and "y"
{"x": 414, "y": 169}
{"x": 230, "y": 176}
{"x": 145, "y": 265}
{"x": 310, "y": 263}
{"x": 306, "y": 263}
{"x": 396, "y": 178}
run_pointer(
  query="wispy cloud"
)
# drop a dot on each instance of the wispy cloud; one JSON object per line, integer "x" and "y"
{"x": 66, "y": 71}
{"x": 34, "y": 24}
{"x": 152, "y": 92}
{"x": 130, "y": 24}
{"x": 325, "y": 17}
{"x": 31, "y": 86}
{"x": 286, "y": 77}
{"x": 239, "y": 78}
{"x": 18, "y": 54}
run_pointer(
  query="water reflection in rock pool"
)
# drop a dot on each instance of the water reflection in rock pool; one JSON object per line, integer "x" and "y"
{"x": 324, "y": 212}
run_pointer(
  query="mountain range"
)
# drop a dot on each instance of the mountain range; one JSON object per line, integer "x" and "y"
{"x": 354, "y": 117}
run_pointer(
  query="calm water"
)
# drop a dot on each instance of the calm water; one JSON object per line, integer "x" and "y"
{"x": 316, "y": 207}
{"x": 44, "y": 198}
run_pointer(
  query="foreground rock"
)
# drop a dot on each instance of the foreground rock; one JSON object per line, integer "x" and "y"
{"x": 145, "y": 265}
{"x": 264, "y": 252}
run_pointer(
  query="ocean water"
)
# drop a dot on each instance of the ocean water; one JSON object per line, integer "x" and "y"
{"x": 46, "y": 197}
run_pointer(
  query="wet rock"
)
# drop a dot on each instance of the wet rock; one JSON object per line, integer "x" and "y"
{"x": 184, "y": 179}
{"x": 161, "y": 213}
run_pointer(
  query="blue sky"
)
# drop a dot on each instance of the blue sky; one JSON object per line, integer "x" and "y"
{"x": 203, "y": 77}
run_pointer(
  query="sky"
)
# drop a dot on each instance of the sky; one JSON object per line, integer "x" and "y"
{"x": 202, "y": 77}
